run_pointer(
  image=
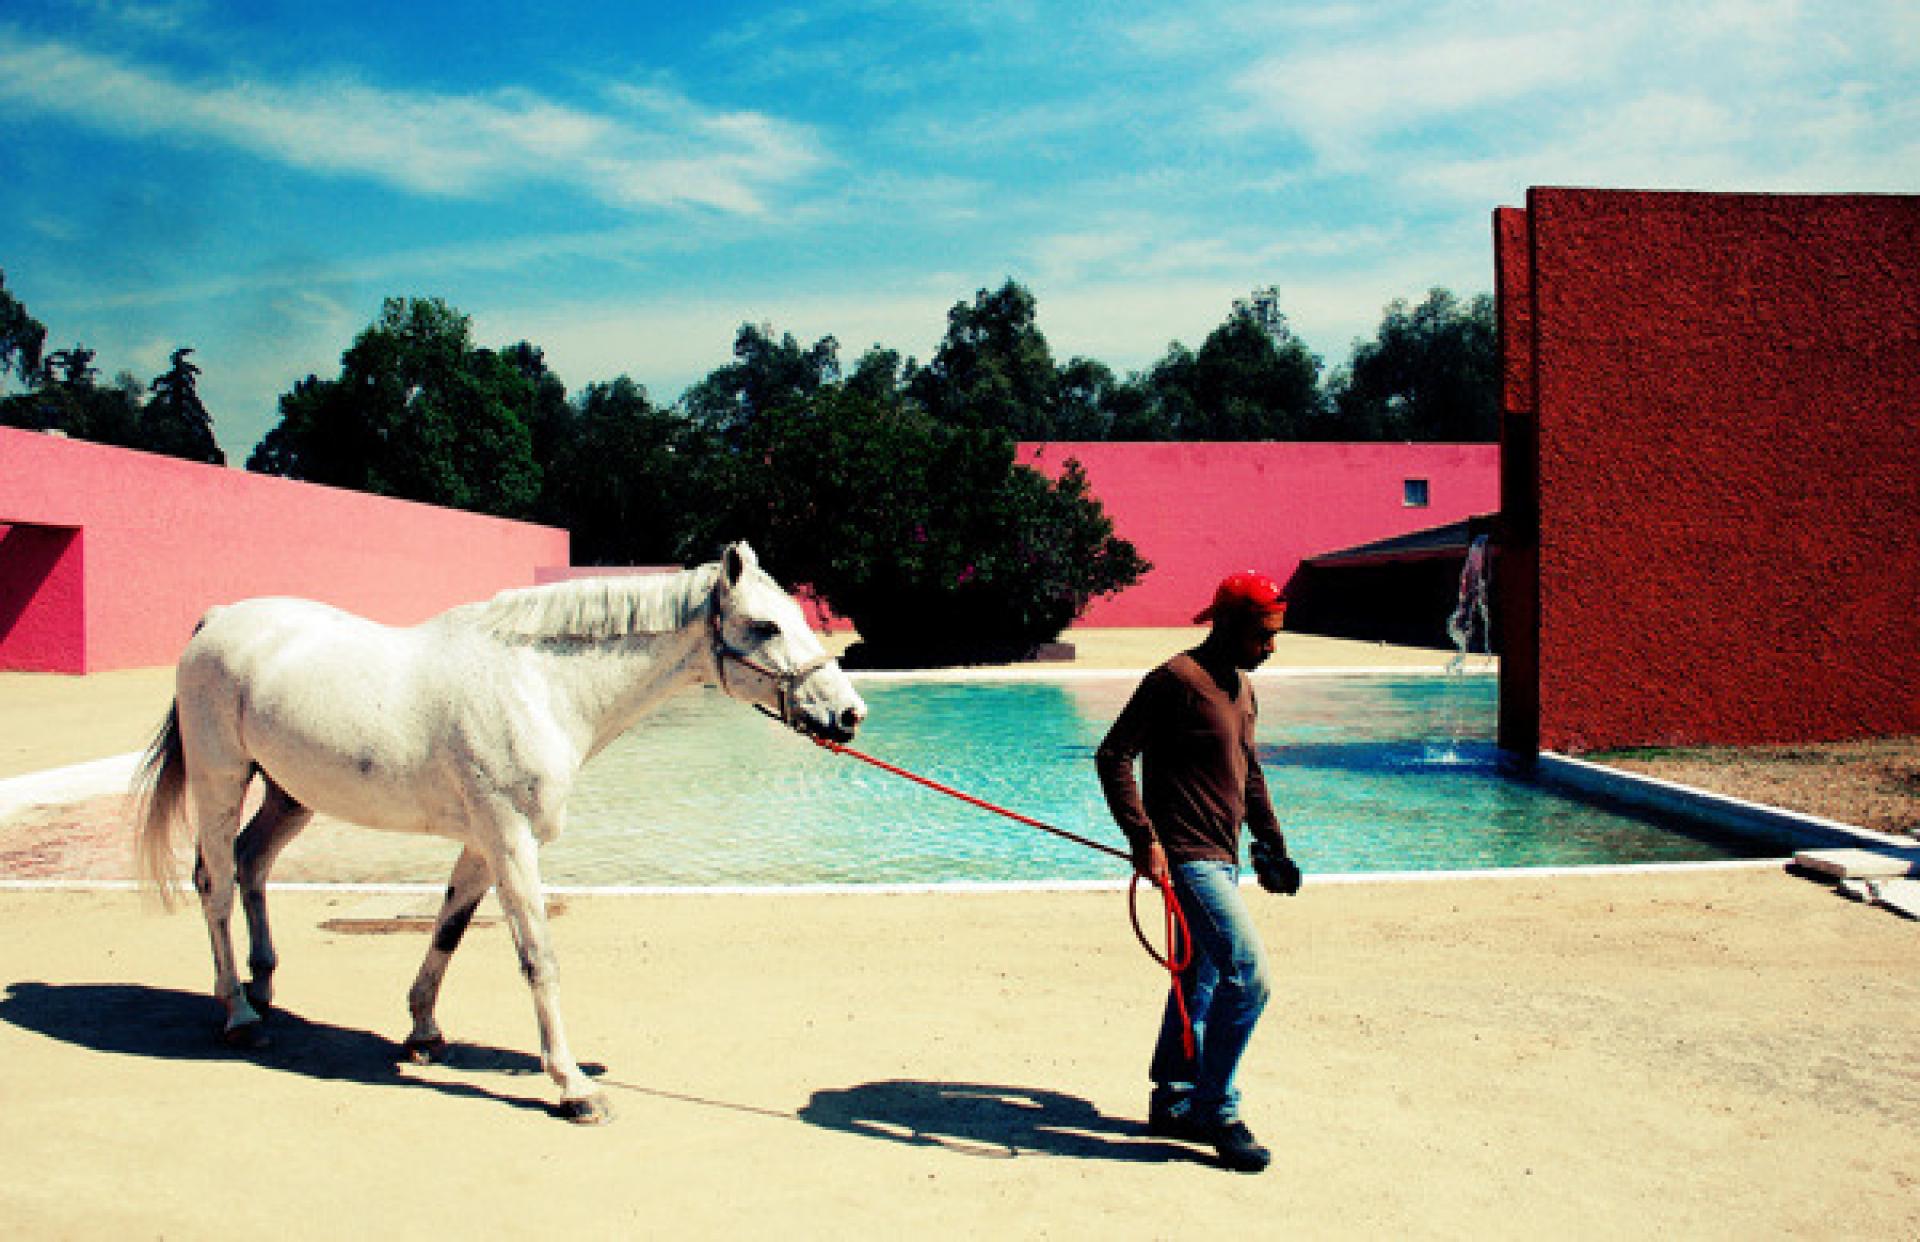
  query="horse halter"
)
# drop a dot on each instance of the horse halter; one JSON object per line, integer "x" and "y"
{"x": 785, "y": 682}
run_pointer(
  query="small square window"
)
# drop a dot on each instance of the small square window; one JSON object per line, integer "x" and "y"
{"x": 1413, "y": 493}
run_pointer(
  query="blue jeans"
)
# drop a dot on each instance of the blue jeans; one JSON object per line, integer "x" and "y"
{"x": 1226, "y": 988}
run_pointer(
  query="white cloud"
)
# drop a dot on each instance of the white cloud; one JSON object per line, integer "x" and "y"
{"x": 1675, "y": 141}
{"x": 1142, "y": 247}
{"x": 1473, "y": 103}
{"x": 164, "y": 17}
{"x": 1333, "y": 97}
{"x": 453, "y": 145}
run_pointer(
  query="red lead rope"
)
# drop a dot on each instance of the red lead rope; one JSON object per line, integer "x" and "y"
{"x": 1179, "y": 954}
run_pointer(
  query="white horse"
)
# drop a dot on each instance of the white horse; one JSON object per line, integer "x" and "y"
{"x": 471, "y": 725}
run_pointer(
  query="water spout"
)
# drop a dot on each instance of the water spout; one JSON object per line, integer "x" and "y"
{"x": 1472, "y": 614}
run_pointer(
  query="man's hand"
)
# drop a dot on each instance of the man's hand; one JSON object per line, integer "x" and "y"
{"x": 1276, "y": 872}
{"x": 1151, "y": 863}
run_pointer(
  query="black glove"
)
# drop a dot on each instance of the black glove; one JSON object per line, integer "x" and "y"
{"x": 1276, "y": 872}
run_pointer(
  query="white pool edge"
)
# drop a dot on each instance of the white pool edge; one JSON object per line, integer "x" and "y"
{"x": 67, "y": 784}
{"x": 1736, "y": 816}
{"x": 962, "y": 888}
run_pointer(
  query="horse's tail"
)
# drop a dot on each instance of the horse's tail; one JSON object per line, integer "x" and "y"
{"x": 159, "y": 789}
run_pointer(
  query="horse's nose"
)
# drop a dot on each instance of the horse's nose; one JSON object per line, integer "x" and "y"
{"x": 850, "y": 720}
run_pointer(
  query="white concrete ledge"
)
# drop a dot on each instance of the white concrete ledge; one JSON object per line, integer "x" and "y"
{"x": 1733, "y": 815}
{"x": 68, "y": 784}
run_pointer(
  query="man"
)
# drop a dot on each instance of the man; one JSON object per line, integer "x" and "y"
{"x": 1191, "y": 720}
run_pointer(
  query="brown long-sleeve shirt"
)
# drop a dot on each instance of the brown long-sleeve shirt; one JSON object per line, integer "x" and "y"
{"x": 1202, "y": 780}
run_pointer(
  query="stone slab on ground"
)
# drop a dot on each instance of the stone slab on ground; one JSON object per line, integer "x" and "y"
{"x": 1861, "y": 864}
{"x": 1900, "y": 895}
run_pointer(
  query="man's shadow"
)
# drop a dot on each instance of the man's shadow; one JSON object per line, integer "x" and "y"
{"x": 985, "y": 1120}
{"x": 133, "y": 1020}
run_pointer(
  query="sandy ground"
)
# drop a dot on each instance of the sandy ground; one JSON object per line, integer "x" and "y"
{"x": 49, "y": 720}
{"x": 1700, "y": 1053}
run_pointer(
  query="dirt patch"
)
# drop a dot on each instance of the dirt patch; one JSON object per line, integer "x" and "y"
{"x": 1874, "y": 784}
{"x": 88, "y": 839}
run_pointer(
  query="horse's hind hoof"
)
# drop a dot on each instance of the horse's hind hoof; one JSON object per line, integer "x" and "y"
{"x": 588, "y": 1110}
{"x": 426, "y": 1051}
{"x": 246, "y": 1037}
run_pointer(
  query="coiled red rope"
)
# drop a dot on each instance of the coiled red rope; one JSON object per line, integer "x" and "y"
{"x": 1179, "y": 954}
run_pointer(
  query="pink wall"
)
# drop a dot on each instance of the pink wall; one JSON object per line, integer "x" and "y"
{"x": 165, "y": 539}
{"x": 1726, "y": 481}
{"x": 1199, "y": 511}
{"x": 109, "y": 557}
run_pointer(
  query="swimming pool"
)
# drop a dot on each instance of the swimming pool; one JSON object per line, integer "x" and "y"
{"x": 1369, "y": 774}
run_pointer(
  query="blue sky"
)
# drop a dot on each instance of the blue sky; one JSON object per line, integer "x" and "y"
{"x": 625, "y": 184}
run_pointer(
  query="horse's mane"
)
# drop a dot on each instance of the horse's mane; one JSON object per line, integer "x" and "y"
{"x": 596, "y": 608}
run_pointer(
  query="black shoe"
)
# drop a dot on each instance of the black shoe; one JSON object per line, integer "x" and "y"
{"x": 1237, "y": 1147}
{"x": 1164, "y": 1123}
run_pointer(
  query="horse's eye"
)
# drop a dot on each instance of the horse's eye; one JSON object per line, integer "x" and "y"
{"x": 764, "y": 631}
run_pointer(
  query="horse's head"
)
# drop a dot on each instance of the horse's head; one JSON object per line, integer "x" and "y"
{"x": 768, "y": 656}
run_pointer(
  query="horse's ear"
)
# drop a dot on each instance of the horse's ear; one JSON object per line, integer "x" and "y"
{"x": 739, "y": 558}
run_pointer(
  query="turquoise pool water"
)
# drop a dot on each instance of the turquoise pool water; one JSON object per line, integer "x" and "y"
{"x": 1369, "y": 774}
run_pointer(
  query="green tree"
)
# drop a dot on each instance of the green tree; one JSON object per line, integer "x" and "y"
{"x": 1086, "y": 399}
{"x": 317, "y": 439}
{"x": 418, "y": 412}
{"x": 993, "y": 369}
{"x": 625, "y": 478}
{"x": 22, "y": 337}
{"x": 1251, "y": 379}
{"x": 1135, "y": 412}
{"x": 880, "y": 375}
{"x": 1432, "y": 373}
{"x": 549, "y": 413}
{"x": 67, "y": 397}
{"x": 930, "y": 537}
{"x": 174, "y": 421}
{"x": 766, "y": 374}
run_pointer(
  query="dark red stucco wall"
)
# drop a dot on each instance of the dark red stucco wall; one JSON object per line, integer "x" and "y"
{"x": 1517, "y": 562}
{"x": 1726, "y": 390}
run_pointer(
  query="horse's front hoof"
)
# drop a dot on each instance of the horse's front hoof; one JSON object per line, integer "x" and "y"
{"x": 245, "y": 1037}
{"x": 588, "y": 1110}
{"x": 426, "y": 1051}
{"x": 260, "y": 995}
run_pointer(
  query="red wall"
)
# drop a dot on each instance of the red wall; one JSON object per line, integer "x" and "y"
{"x": 1517, "y": 566}
{"x": 1725, "y": 388}
{"x": 1199, "y": 511}
{"x": 120, "y": 552}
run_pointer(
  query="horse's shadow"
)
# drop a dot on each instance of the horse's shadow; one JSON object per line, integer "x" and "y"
{"x": 987, "y": 1120}
{"x": 133, "y": 1020}
{"x": 973, "y": 1119}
